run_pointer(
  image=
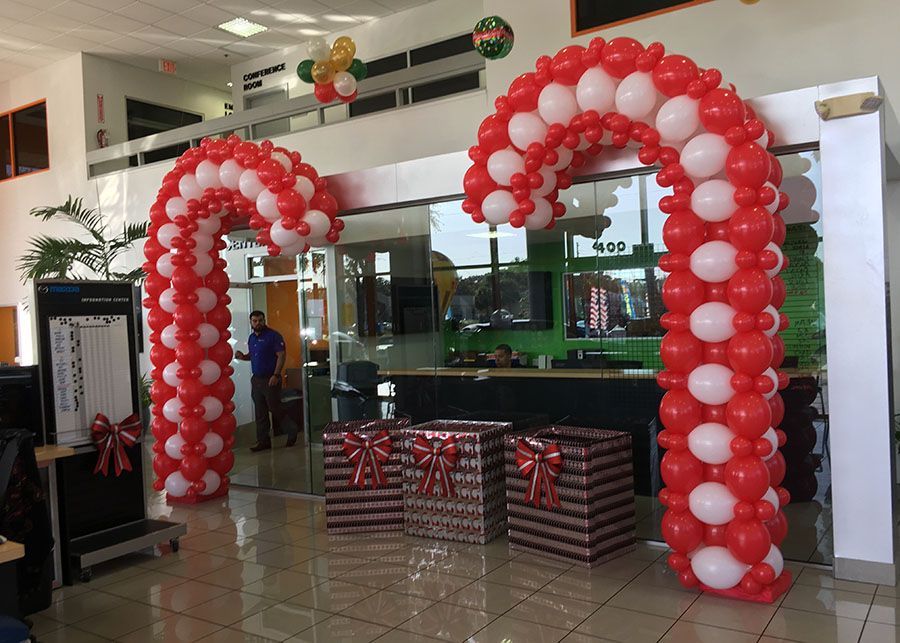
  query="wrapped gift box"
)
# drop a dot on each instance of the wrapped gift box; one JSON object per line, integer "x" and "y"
{"x": 469, "y": 504}
{"x": 350, "y": 507}
{"x": 594, "y": 519}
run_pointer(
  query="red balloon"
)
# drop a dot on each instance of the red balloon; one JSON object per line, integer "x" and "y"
{"x": 749, "y": 415}
{"x": 721, "y": 109}
{"x": 714, "y": 535}
{"x": 224, "y": 425}
{"x": 290, "y": 203}
{"x": 748, "y": 540}
{"x": 193, "y": 467}
{"x": 780, "y": 231}
{"x": 217, "y": 281}
{"x": 749, "y": 290}
{"x": 193, "y": 429}
{"x": 349, "y": 99}
{"x": 220, "y": 317}
{"x": 153, "y": 250}
{"x": 269, "y": 170}
{"x": 682, "y": 292}
{"x": 185, "y": 280}
{"x": 751, "y": 228}
{"x": 493, "y": 134}
{"x": 681, "y": 531}
{"x": 567, "y": 66}
{"x": 325, "y": 202}
{"x": 776, "y": 404}
{"x": 221, "y": 353}
{"x": 714, "y": 473}
{"x": 683, "y": 232}
{"x": 223, "y": 388}
{"x": 776, "y": 174}
{"x": 221, "y": 463}
{"x": 750, "y": 353}
{"x": 187, "y": 317}
{"x": 191, "y": 392}
{"x": 747, "y": 477}
{"x": 523, "y": 94}
{"x": 478, "y": 183}
{"x": 680, "y": 352}
{"x": 778, "y": 528}
{"x": 679, "y": 411}
{"x": 715, "y": 353}
{"x": 747, "y": 165}
{"x": 673, "y": 74}
{"x": 681, "y": 471}
{"x": 163, "y": 465}
{"x": 619, "y": 56}
{"x": 188, "y": 354}
{"x": 155, "y": 284}
{"x": 779, "y": 291}
{"x": 157, "y": 318}
{"x": 325, "y": 93}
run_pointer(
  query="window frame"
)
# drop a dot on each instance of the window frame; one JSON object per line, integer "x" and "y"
{"x": 12, "y": 141}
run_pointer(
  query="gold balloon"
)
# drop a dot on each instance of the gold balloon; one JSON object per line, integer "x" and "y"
{"x": 446, "y": 280}
{"x": 322, "y": 72}
{"x": 344, "y": 42}
{"x": 341, "y": 59}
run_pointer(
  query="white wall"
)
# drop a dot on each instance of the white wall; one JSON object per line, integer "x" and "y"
{"x": 118, "y": 81}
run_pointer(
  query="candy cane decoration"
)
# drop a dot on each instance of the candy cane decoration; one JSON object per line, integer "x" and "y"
{"x": 604, "y": 310}
{"x": 187, "y": 298}
{"x": 723, "y": 232}
{"x": 594, "y": 317}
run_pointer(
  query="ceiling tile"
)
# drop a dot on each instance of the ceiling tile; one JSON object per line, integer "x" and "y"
{"x": 79, "y": 11}
{"x": 43, "y": 5}
{"x": 172, "y": 6}
{"x": 181, "y": 25}
{"x": 188, "y": 46}
{"x": 54, "y": 22}
{"x": 109, "y": 5}
{"x": 155, "y": 36}
{"x": 131, "y": 44}
{"x": 17, "y": 11}
{"x": 399, "y": 5}
{"x": 143, "y": 12}
{"x": 248, "y": 49}
{"x": 215, "y": 37}
{"x": 95, "y": 33}
{"x": 311, "y": 7}
{"x": 365, "y": 10}
{"x": 335, "y": 21}
{"x": 50, "y": 53}
{"x": 208, "y": 15}
{"x": 70, "y": 42}
{"x": 33, "y": 32}
{"x": 105, "y": 49}
{"x": 9, "y": 40}
{"x": 276, "y": 39}
{"x": 121, "y": 24}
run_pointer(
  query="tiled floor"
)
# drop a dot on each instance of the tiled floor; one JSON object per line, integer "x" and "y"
{"x": 259, "y": 567}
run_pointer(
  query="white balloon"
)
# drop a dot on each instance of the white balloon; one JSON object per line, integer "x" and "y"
{"x": 318, "y": 49}
{"x": 497, "y": 206}
{"x": 712, "y": 322}
{"x": 208, "y": 225}
{"x": 208, "y": 335}
{"x": 207, "y": 174}
{"x": 177, "y": 485}
{"x": 548, "y": 185}
{"x": 212, "y": 480}
{"x": 714, "y": 261}
{"x": 773, "y": 206}
{"x": 712, "y": 503}
{"x": 297, "y": 248}
{"x": 170, "y": 374}
{"x": 319, "y": 223}
{"x": 557, "y": 104}
{"x": 711, "y": 384}
{"x": 206, "y": 299}
{"x": 772, "y": 375}
{"x": 164, "y": 265}
{"x": 775, "y": 559}
{"x": 774, "y": 271}
{"x": 526, "y": 128}
{"x": 165, "y": 300}
{"x": 543, "y": 213}
{"x": 189, "y": 188}
{"x": 266, "y": 205}
{"x": 565, "y": 159}
{"x": 716, "y": 568}
{"x": 176, "y": 206}
{"x": 305, "y": 187}
{"x": 502, "y": 164}
{"x": 713, "y": 200}
{"x": 230, "y": 174}
{"x": 774, "y": 314}
{"x": 173, "y": 446}
{"x": 772, "y": 496}
{"x": 596, "y": 90}
{"x": 344, "y": 83}
{"x": 209, "y": 371}
{"x": 282, "y": 236}
{"x": 204, "y": 242}
{"x": 166, "y": 233}
{"x": 250, "y": 185}
{"x": 636, "y": 95}
{"x": 214, "y": 444}
{"x": 212, "y": 408}
{"x": 167, "y": 336}
{"x": 204, "y": 263}
{"x": 171, "y": 408}
{"x": 704, "y": 155}
{"x": 317, "y": 242}
{"x": 284, "y": 159}
{"x": 711, "y": 443}
{"x": 678, "y": 118}
{"x": 772, "y": 437}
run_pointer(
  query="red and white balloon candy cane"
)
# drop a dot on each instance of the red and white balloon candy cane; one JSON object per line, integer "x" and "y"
{"x": 187, "y": 288}
{"x": 723, "y": 233}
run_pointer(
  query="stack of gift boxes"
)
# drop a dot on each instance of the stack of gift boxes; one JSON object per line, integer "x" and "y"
{"x": 562, "y": 492}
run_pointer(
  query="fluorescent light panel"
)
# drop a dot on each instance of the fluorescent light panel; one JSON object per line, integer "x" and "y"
{"x": 242, "y": 27}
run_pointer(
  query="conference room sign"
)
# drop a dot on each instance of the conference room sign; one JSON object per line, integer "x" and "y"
{"x": 592, "y": 15}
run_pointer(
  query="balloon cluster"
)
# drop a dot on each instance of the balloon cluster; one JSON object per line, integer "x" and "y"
{"x": 187, "y": 290}
{"x": 723, "y": 469}
{"x": 334, "y": 71}
{"x": 493, "y": 37}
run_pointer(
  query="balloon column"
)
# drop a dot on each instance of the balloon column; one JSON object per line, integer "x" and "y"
{"x": 334, "y": 71}
{"x": 723, "y": 469}
{"x": 187, "y": 296}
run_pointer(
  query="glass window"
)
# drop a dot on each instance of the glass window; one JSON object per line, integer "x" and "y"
{"x": 372, "y": 104}
{"x": 265, "y": 266}
{"x": 385, "y": 65}
{"x": 445, "y": 87}
{"x": 30, "y": 139}
{"x": 145, "y": 119}
{"x": 5, "y": 148}
{"x": 443, "y": 49}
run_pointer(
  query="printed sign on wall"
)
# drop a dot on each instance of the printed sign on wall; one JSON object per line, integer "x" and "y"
{"x": 591, "y": 15}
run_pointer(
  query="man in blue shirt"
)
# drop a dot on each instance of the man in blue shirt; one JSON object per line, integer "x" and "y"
{"x": 266, "y": 356}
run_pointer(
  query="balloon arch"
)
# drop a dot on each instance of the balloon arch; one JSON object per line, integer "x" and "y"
{"x": 210, "y": 187}
{"x": 723, "y": 233}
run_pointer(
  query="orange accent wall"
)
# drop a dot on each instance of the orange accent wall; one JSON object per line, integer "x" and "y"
{"x": 8, "y": 335}
{"x": 283, "y": 315}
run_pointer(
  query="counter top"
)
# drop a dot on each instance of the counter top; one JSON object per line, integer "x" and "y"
{"x": 10, "y": 551}
{"x": 51, "y": 452}
{"x": 553, "y": 373}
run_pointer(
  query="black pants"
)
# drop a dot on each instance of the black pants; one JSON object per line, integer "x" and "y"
{"x": 266, "y": 400}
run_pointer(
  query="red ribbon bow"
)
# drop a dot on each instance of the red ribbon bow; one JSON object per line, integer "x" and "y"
{"x": 436, "y": 459}
{"x": 111, "y": 440}
{"x": 364, "y": 452}
{"x": 544, "y": 468}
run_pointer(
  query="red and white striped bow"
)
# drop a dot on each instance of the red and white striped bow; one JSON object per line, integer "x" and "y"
{"x": 366, "y": 452}
{"x": 544, "y": 468}
{"x": 440, "y": 459}
{"x": 111, "y": 440}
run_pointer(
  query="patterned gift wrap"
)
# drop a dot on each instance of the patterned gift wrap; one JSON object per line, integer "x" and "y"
{"x": 377, "y": 505}
{"x": 594, "y": 519}
{"x": 470, "y": 505}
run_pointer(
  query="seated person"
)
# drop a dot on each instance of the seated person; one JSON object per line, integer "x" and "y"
{"x": 503, "y": 356}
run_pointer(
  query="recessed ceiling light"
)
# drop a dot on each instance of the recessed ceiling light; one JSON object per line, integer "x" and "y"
{"x": 242, "y": 27}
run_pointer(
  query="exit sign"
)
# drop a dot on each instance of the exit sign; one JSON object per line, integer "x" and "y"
{"x": 591, "y": 15}
{"x": 166, "y": 66}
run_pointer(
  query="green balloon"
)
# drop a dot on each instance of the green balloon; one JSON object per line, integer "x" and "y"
{"x": 358, "y": 69}
{"x": 304, "y": 70}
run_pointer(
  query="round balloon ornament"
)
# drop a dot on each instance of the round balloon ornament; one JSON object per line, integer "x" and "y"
{"x": 334, "y": 71}
{"x": 493, "y": 38}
